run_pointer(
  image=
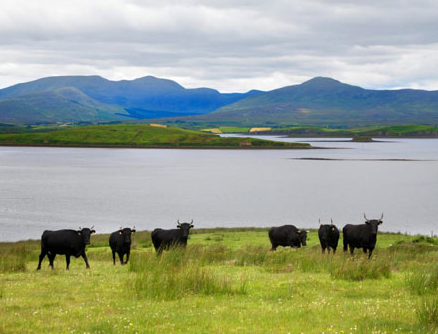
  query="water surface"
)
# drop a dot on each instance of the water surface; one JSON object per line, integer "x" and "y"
{"x": 53, "y": 188}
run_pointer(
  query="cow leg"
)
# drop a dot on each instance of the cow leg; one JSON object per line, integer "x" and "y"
{"x": 67, "y": 260}
{"x": 85, "y": 259}
{"x": 334, "y": 251}
{"x": 51, "y": 259}
{"x": 364, "y": 250}
{"x": 351, "y": 250}
{"x": 328, "y": 249}
{"x": 323, "y": 249}
{"x": 274, "y": 248}
{"x": 120, "y": 257}
{"x": 42, "y": 255}
{"x": 127, "y": 256}
{"x": 370, "y": 252}
{"x": 345, "y": 245}
{"x": 114, "y": 257}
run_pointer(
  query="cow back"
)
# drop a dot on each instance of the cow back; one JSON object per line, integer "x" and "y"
{"x": 63, "y": 242}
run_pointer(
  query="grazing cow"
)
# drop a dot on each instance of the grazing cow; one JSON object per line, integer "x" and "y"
{"x": 328, "y": 236}
{"x": 120, "y": 243}
{"x": 65, "y": 242}
{"x": 287, "y": 235}
{"x": 165, "y": 239}
{"x": 362, "y": 236}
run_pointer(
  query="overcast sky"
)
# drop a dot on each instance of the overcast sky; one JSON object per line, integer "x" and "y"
{"x": 230, "y": 45}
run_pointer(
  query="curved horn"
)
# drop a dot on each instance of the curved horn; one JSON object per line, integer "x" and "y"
{"x": 364, "y": 215}
{"x": 191, "y": 221}
{"x": 319, "y": 220}
{"x": 92, "y": 227}
{"x": 331, "y": 220}
{"x": 381, "y": 217}
{"x": 121, "y": 228}
{"x": 178, "y": 222}
{"x": 133, "y": 227}
{"x": 80, "y": 228}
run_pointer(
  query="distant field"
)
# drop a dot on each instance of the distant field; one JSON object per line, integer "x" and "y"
{"x": 227, "y": 281}
{"x": 137, "y": 136}
{"x": 373, "y": 131}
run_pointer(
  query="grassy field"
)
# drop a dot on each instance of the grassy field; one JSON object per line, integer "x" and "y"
{"x": 227, "y": 281}
{"x": 316, "y": 131}
{"x": 137, "y": 136}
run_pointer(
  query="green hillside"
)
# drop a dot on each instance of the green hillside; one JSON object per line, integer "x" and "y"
{"x": 57, "y": 106}
{"x": 325, "y": 101}
{"x": 138, "y": 136}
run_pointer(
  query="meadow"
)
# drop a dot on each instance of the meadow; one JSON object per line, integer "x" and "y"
{"x": 137, "y": 136}
{"x": 226, "y": 281}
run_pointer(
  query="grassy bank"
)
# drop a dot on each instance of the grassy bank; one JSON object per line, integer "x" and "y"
{"x": 141, "y": 136}
{"x": 227, "y": 281}
{"x": 401, "y": 131}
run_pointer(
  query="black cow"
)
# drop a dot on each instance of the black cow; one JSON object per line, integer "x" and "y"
{"x": 328, "y": 236}
{"x": 165, "y": 239}
{"x": 65, "y": 242}
{"x": 287, "y": 235}
{"x": 120, "y": 243}
{"x": 362, "y": 236}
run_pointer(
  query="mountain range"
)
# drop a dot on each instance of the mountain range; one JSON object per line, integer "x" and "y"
{"x": 319, "y": 101}
{"x": 93, "y": 98}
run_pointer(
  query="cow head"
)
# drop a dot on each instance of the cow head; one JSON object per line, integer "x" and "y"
{"x": 302, "y": 236}
{"x": 126, "y": 232}
{"x": 185, "y": 228}
{"x": 373, "y": 223}
{"x": 86, "y": 233}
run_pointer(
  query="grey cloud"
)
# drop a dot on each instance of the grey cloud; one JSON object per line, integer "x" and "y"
{"x": 229, "y": 45}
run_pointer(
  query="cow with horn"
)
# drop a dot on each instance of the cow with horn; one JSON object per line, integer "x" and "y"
{"x": 362, "y": 236}
{"x": 120, "y": 243}
{"x": 165, "y": 239}
{"x": 65, "y": 242}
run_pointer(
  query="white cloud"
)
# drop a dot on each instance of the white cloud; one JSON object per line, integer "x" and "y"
{"x": 229, "y": 45}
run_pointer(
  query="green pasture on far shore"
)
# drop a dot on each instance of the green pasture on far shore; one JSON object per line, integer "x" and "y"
{"x": 226, "y": 281}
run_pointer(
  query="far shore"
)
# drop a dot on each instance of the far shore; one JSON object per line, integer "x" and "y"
{"x": 171, "y": 147}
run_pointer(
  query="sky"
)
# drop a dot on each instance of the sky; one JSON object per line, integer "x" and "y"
{"x": 229, "y": 45}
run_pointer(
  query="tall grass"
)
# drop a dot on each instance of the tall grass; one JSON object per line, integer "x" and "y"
{"x": 176, "y": 273}
{"x": 13, "y": 258}
{"x": 427, "y": 313}
{"x": 423, "y": 280}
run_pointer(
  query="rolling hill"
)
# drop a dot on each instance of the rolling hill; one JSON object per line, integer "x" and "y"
{"x": 93, "y": 98}
{"x": 325, "y": 101}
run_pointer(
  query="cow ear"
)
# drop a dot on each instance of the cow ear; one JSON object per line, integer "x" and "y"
{"x": 93, "y": 231}
{"x": 178, "y": 226}
{"x": 367, "y": 222}
{"x": 192, "y": 226}
{"x": 380, "y": 222}
{"x": 133, "y": 231}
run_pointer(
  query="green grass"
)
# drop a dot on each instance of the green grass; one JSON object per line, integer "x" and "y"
{"x": 137, "y": 136}
{"x": 226, "y": 281}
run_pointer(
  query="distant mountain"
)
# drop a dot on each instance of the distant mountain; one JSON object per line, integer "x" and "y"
{"x": 93, "y": 98}
{"x": 325, "y": 101}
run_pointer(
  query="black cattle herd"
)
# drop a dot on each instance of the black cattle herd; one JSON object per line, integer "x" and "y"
{"x": 73, "y": 242}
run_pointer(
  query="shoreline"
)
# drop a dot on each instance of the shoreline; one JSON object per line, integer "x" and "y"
{"x": 170, "y": 147}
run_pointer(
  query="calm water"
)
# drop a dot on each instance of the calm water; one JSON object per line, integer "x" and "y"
{"x": 53, "y": 188}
